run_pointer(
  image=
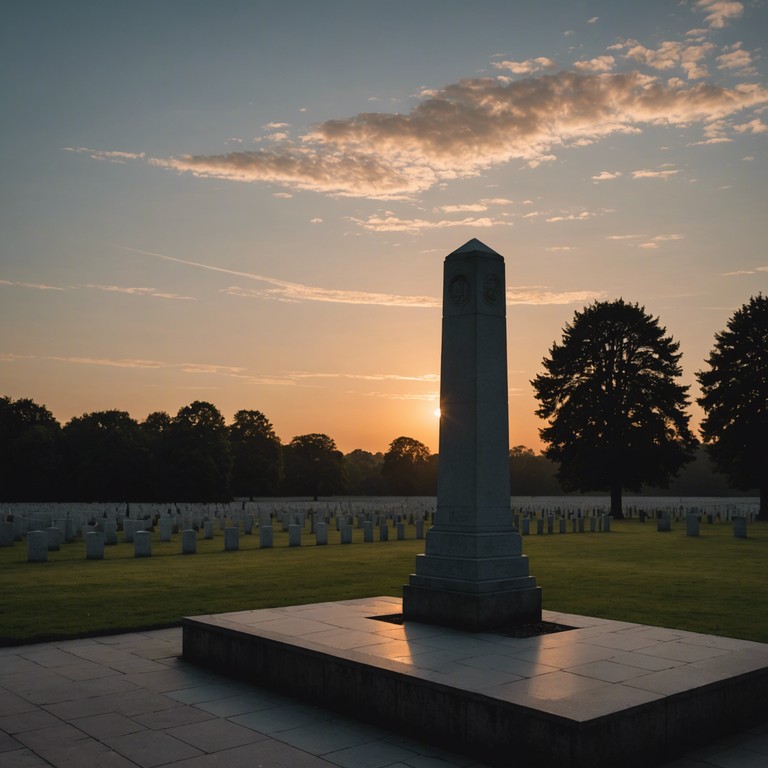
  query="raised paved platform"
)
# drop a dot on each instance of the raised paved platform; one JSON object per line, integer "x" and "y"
{"x": 605, "y": 693}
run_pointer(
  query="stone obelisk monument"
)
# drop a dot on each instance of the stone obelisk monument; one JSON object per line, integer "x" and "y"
{"x": 473, "y": 574}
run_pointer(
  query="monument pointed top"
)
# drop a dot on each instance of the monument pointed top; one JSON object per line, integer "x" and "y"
{"x": 474, "y": 246}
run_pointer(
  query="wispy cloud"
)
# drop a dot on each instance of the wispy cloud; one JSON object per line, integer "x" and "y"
{"x": 687, "y": 56}
{"x": 472, "y": 125}
{"x": 36, "y": 286}
{"x": 134, "y": 291}
{"x": 740, "y": 272}
{"x": 737, "y": 59}
{"x": 720, "y": 12}
{"x": 575, "y": 216}
{"x": 111, "y": 156}
{"x": 606, "y": 176}
{"x": 527, "y": 67}
{"x": 226, "y": 370}
{"x": 538, "y": 295}
{"x": 139, "y": 292}
{"x": 648, "y": 174}
{"x": 391, "y": 223}
{"x": 599, "y": 64}
{"x": 283, "y": 290}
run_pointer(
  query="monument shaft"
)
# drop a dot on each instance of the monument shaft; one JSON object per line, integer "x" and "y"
{"x": 473, "y": 573}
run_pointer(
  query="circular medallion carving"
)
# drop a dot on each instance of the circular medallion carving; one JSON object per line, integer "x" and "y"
{"x": 458, "y": 290}
{"x": 491, "y": 287}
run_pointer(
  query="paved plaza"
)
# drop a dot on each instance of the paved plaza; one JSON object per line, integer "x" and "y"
{"x": 127, "y": 700}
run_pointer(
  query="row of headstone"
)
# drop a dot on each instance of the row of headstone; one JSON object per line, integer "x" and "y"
{"x": 693, "y": 525}
{"x": 578, "y": 524}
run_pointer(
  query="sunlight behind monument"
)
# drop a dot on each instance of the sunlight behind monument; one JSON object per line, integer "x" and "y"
{"x": 473, "y": 573}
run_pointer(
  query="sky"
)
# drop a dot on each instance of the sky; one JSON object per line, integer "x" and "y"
{"x": 249, "y": 203}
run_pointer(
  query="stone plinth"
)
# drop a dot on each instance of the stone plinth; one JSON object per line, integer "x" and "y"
{"x": 473, "y": 573}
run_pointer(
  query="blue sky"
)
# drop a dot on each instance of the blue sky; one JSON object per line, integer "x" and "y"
{"x": 249, "y": 202}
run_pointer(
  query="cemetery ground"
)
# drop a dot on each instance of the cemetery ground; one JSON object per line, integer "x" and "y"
{"x": 713, "y": 583}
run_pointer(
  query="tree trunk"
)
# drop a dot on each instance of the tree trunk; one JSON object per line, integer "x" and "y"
{"x": 616, "y": 511}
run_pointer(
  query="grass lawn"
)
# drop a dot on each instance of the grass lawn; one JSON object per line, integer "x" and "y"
{"x": 713, "y": 584}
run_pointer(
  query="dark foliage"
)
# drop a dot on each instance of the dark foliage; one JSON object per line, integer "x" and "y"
{"x": 29, "y": 451}
{"x": 257, "y": 455}
{"x": 406, "y": 468}
{"x": 735, "y": 399}
{"x": 313, "y": 466}
{"x": 617, "y": 417}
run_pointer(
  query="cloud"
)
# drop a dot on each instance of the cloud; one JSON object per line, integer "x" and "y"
{"x": 316, "y": 220}
{"x": 111, "y": 156}
{"x": 540, "y": 295}
{"x": 606, "y": 176}
{"x": 720, "y": 12}
{"x": 36, "y": 286}
{"x": 753, "y": 126}
{"x": 671, "y": 54}
{"x": 283, "y": 290}
{"x": 646, "y": 174}
{"x": 581, "y": 216}
{"x": 598, "y": 64}
{"x": 109, "y": 288}
{"x": 736, "y": 58}
{"x": 226, "y": 370}
{"x": 468, "y": 208}
{"x": 470, "y": 126}
{"x": 556, "y": 248}
{"x": 741, "y": 272}
{"x": 497, "y": 201}
{"x": 527, "y": 67}
{"x": 139, "y": 292}
{"x": 391, "y": 223}
{"x": 593, "y": 20}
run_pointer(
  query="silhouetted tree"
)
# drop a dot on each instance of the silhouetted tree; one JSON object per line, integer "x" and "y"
{"x": 531, "y": 475}
{"x": 105, "y": 456}
{"x": 29, "y": 451}
{"x": 617, "y": 417}
{"x": 198, "y": 455}
{"x": 405, "y": 467}
{"x": 258, "y": 461}
{"x": 735, "y": 399}
{"x": 313, "y": 466}
{"x": 363, "y": 471}
{"x": 155, "y": 428}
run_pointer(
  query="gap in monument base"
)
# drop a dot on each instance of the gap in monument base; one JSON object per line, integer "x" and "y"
{"x": 533, "y": 629}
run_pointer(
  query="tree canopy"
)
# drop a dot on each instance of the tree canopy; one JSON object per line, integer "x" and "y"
{"x": 735, "y": 399}
{"x": 405, "y": 467}
{"x": 29, "y": 451}
{"x": 617, "y": 417}
{"x": 257, "y": 455}
{"x": 313, "y": 466}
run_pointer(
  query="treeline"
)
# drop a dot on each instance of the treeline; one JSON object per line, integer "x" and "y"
{"x": 196, "y": 456}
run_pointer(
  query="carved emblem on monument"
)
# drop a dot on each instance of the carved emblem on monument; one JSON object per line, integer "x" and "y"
{"x": 491, "y": 289}
{"x": 459, "y": 290}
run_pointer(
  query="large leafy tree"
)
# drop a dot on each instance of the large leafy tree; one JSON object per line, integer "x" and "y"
{"x": 363, "y": 471}
{"x": 617, "y": 416}
{"x": 405, "y": 467}
{"x": 313, "y": 466}
{"x": 29, "y": 451}
{"x": 735, "y": 399}
{"x": 106, "y": 457}
{"x": 197, "y": 454}
{"x": 257, "y": 453}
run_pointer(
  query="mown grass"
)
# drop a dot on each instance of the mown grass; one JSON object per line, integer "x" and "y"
{"x": 713, "y": 583}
